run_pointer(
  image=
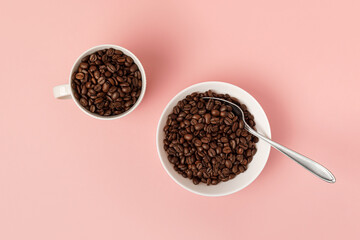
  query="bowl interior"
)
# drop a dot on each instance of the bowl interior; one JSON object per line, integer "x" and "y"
{"x": 126, "y": 52}
{"x": 256, "y": 165}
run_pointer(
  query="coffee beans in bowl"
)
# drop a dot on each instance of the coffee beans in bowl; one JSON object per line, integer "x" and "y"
{"x": 164, "y": 141}
{"x": 107, "y": 82}
{"x": 205, "y": 141}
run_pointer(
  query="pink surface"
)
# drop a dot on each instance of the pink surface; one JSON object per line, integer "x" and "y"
{"x": 64, "y": 175}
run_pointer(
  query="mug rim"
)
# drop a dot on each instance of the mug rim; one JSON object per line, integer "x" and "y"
{"x": 128, "y": 53}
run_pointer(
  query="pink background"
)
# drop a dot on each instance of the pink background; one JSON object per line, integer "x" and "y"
{"x": 64, "y": 175}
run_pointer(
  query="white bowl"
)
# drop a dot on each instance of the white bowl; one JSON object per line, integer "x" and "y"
{"x": 255, "y": 166}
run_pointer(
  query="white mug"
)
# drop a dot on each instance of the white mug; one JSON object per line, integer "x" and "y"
{"x": 65, "y": 92}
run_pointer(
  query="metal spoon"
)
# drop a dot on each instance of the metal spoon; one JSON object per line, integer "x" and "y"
{"x": 307, "y": 163}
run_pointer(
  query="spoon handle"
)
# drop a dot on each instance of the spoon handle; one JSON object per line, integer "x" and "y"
{"x": 306, "y": 162}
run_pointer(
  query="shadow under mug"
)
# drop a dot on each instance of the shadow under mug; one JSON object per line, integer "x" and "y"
{"x": 65, "y": 92}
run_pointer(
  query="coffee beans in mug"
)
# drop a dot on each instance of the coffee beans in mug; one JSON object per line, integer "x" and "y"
{"x": 206, "y": 142}
{"x": 107, "y": 82}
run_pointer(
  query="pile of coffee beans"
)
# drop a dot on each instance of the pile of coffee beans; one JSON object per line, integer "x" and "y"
{"x": 107, "y": 82}
{"x": 206, "y": 141}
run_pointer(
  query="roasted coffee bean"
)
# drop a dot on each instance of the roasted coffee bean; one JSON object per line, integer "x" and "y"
{"x": 202, "y": 111}
{"x": 176, "y": 110}
{"x": 112, "y": 81}
{"x": 214, "y": 182}
{"x": 98, "y": 100}
{"x": 83, "y": 102}
{"x": 129, "y": 60}
{"x": 115, "y": 95}
{"x": 196, "y": 180}
{"x": 199, "y": 126}
{"x": 111, "y": 68}
{"x": 210, "y": 105}
{"x": 253, "y": 151}
{"x": 118, "y": 52}
{"x": 232, "y": 144}
{"x": 207, "y": 118}
{"x": 205, "y": 141}
{"x": 194, "y": 110}
{"x": 226, "y": 150}
{"x": 112, "y": 89}
{"x": 235, "y": 126}
{"x": 110, "y": 52}
{"x": 215, "y": 112}
{"x": 225, "y": 171}
{"x": 100, "y": 94}
{"x": 92, "y": 91}
{"x": 211, "y": 152}
{"x": 121, "y": 60}
{"x": 215, "y": 120}
{"x": 105, "y": 87}
{"x": 187, "y": 107}
{"x": 228, "y": 164}
{"x": 241, "y": 124}
{"x": 133, "y": 68}
{"x": 205, "y": 146}
{"x": 92, "y": 108}
{"x": 92, "y": 68}
{"x": 84, "y": 65}
{"x": 101, "y": 80}
{"x": 224, "y": 140}
{"x": 79, "y": 76}
{"x": 93, "y": 58}
{"x": 227, "y": 121}
{"x": 96, "y": 83}
{"x": 117, "y": 105}
{"x": 97, "y": 74}
{"x": 231, "y": 115}
{"x": 197, "y": 142}
{"x": 107, "y": 112}
{"x": 196, "y": 116}
{"x": 126, "y": 89}
{"x": 248, "y": 153}
{"x": 188, "y": 137}
{"x": 223, "y": 114}
{"x": 128, "y": 103}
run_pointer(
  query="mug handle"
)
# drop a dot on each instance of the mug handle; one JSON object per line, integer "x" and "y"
{"x": 62, "y": 91}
